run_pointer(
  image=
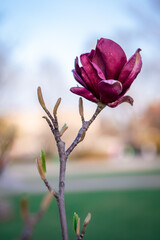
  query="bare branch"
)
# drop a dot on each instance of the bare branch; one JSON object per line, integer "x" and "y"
{"x": 46, "y": 201}
{"x": 33, "y": 219}
{"x": 83, "y": 136}
{"x": 42, "y": 175}
{"x": 24, "y": 208}
{"x": 49, "y": 123}
{"x": 55, "y": 194}
{"x": 84, "y": 128}
{"x": 63, "y": 154}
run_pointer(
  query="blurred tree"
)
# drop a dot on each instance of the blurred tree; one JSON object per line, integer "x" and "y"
{"x": 152, "y": 117}
{"x": 7, "y": 136}
{"x": 144, "y": 131}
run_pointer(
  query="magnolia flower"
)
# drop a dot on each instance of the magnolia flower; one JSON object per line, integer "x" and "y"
{"x": 106, "y": 75}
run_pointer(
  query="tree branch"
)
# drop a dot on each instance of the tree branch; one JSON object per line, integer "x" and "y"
{"x": 63, "y": 154}
{"x": 30, "y": 220}
{"x": 85, "y": 126}
{"x": 55, "y": 194}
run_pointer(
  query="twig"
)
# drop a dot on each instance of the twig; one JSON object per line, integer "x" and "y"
{"x": 85, "y": 224}
{"x": 30, "y": 220}
{"x": 49, "y": 123}
{"x": 55, "y": 194}
{"x": 85, "y": 126}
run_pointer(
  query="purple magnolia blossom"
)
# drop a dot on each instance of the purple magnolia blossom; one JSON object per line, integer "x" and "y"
{"x": 106, "y": 75}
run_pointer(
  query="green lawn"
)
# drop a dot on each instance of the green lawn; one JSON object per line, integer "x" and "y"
{"x": 116, "y": 215}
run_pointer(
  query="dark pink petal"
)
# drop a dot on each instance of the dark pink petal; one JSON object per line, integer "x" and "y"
{"x": 99, "y": 71}
{"x": 84, "y": 93}
{"x": 78, "y": 78}
{"x": 91, "y": 54}
{"x": 77, "y": 68}
{"x": 90, "y": 70}
{"x": 109, "y": 90}
{"x": 133, "y": 74}
{"x": 128, "y": 67}
{"x": 87, "y": 80}
{"x": 96, "y": 58}
{"x": 113, "y": 57}
{"x": 123, "y": 99}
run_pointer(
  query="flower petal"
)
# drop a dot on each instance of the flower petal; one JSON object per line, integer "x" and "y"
{"x": 88, "y": 82}
{"x": 113, "y": 57}
{"x": 133, "y": 74}
{"x": 121, "y": 100}
{"x": 78, "y": 78}
{"x": 99, "y": 71}
{"x": 96, "y": 59}
{"x": 128, "y": 67}
{"x": 109, "y": 90}
{"x": 90, "y": 71}
{"x": 77, "y": 67}
{"x": 84, "y": 93}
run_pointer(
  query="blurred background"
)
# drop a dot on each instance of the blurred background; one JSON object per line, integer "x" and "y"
{"x": 115, "y": 172}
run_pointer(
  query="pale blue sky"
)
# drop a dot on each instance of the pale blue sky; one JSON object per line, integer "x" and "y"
{"x": 37, "y": 32}
{"x": 59, "y": 28}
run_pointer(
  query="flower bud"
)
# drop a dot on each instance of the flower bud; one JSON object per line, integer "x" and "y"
{"x": 43, "y": 160}
{"x": 40, "y": 168}
{"x": 81, "y": 107}
{"x": 75, "y": 221}
{"x": 24, "y": 208}
{"x": 40, "y": 98}
{"x": 83, "y": 136}
{"x": 87, "y": 219}
{"x": 78, "y": 227}
{"x": 46, "y": 201}
{"x": 63, "y": 129}
{"x": 56, "y": 107}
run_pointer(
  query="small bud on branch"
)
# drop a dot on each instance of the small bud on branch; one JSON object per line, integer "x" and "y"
{"x": 43, "y": 160}
{"x": 83, "y": 136}
{"x": 87, "y": 219}
{"x": 46, "y": 201}
{"x": 56, "y": 107}
{"x": 40, "y": 168}
{"x": 63, "y": 129}
{"x": 78, "y": 227}
{"x": 75, "y": 221}
{"x": 81, "y": 112}
{"x": 86, "y": 222}
{"x": 40, "y": 98}
{"x": 24, "y": 208}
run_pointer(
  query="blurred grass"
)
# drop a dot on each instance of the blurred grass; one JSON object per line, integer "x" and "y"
{"x": 116, "y": 215}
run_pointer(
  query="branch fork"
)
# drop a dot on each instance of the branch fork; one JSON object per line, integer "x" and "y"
{"x": 52, "y": 121}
